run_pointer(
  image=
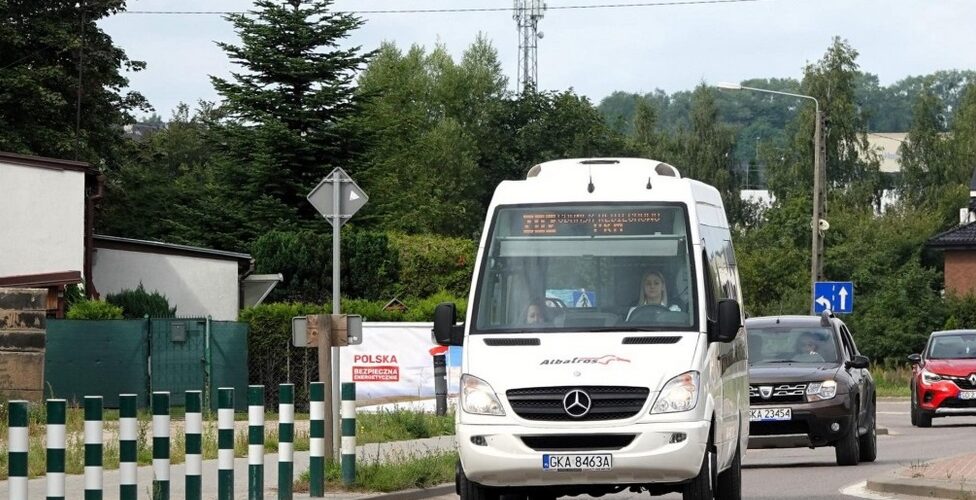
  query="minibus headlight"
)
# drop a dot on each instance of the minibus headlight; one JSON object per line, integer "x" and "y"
{"x": 478, "y": 397}
{"x": 679, "y": 394}
{"x": 820, "y": 391}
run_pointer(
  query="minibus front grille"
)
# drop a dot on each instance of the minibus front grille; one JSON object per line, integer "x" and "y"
{"x": 512, "y": 341}
{"x": 578, "y": 442}
{"x": 606, "y": 402}
{"x": 651, "y": 340}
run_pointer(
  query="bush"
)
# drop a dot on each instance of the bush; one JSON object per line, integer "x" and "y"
{"x": 94, "y": 309}
{"x": 138, "y": 303}
{"x": 430, "y": 264}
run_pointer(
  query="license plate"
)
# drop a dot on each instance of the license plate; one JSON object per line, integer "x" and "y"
{"x": 967, "y": 394}
{"x": 769, "y": 414}
{"x": 574, "y": 462}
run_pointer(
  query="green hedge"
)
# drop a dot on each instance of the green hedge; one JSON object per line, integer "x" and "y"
{"x": 430, "y": 263}
{"x": 369, "y": 264}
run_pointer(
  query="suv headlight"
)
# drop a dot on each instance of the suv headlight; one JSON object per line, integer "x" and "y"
{"x": 929, "y": 377}
{"x": 819, "y": 391}
{"x": 679, "y": 394}
{"x": 478, "y": 397}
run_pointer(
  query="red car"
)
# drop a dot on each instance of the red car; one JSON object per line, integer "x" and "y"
{"x": 944, "y": 377}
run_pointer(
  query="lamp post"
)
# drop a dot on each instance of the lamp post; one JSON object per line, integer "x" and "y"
{"x": 819, "y": 149}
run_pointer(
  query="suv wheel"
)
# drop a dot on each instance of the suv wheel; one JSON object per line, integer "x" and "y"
{"x": 847, "y": 450}
{"x": 869, "y": 441}
{"x": 730, "y": 481}
{"x": 470, "y": 490}
{"x": 924, "y": 418}
{"x": 701, "y": 487}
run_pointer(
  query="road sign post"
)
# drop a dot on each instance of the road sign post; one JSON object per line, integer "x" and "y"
{"x": 337, "y": 198}
{"x": 837, "y": 296}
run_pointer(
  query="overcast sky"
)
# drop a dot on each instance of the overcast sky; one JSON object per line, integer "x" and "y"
{"x": 594, "y": 51}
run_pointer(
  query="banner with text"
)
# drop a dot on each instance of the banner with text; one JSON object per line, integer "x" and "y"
{"x": 394, "y": 360}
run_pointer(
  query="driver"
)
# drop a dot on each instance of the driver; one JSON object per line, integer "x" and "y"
{"x": 654, "y": 291}
{"x": 808, "y": 348}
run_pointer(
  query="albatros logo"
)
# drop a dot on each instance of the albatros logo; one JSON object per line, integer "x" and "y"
{"x": 601, "y": 360}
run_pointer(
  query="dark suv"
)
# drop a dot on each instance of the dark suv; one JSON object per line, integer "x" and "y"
{"x": 809, "y": 387}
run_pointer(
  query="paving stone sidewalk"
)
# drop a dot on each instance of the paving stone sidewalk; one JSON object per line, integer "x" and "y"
{"x": 952, "y": 477}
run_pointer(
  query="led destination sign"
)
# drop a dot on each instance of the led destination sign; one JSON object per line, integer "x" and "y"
{"x": 596, "y": 223}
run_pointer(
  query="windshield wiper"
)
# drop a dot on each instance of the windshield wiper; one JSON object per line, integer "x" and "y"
{"x": 771, "y": 362}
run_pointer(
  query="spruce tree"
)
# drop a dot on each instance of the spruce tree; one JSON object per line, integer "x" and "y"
{"x": 288, "y": 106}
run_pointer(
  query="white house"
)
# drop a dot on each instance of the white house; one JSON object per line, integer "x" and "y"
{"x": 47, "y": 211}
{"x": 46, "y": 208}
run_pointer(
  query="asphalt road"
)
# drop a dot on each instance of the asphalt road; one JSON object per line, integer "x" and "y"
{"x": 813, "y": 474}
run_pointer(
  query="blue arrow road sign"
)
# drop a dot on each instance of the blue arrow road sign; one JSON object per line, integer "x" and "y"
{"x": 838, "y": 296}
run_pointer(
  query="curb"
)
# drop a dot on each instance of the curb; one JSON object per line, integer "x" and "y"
{"x": 881, "y": 431}
{"x": 890, "y": 482}
{"x": 415, "y": 494}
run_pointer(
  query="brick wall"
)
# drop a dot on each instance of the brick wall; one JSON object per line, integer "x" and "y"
{"x": 22, "y": 334}
{"x": 960, "y": 271}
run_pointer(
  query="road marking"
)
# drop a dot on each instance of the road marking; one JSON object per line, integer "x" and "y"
{"x": 860, "y": 490}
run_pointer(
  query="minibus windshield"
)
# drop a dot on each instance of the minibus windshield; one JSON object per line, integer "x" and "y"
{"x": 587, "y": 267}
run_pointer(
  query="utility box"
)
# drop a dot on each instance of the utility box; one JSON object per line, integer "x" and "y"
{"x": 342, "y": 329}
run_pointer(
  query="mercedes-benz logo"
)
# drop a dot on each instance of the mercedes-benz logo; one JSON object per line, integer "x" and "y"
{"x": 577, "y": 403}
{"x": 766, "y": 391}
{"x": 972, "y": 378}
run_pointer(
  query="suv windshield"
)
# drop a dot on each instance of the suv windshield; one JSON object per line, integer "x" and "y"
{"x": 586, "y": 267}
{"x": 786, "y": 344}
{"x": 959, "y": 346}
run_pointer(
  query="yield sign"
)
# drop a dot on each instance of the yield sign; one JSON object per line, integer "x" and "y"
{"x": 351, "y": 197}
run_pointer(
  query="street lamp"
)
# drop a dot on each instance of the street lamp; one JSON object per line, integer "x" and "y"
{"x": 819, "y": 148}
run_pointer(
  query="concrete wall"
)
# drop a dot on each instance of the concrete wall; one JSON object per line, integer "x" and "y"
{"x": 22, "y": 334}
{"x": 196, "y": 286}
{"x": 960, "y": 271}
{"x": 43, "y": 224}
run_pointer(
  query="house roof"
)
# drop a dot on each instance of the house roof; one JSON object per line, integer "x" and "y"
{"x": 116, "y": 243}
{"x": 43, "y": 280}
{"x": 958, "y": 238}
{"x": 45, "y": 162}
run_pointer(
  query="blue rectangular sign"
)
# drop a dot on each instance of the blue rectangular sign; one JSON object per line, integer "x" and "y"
{"x": 838, "y": 296}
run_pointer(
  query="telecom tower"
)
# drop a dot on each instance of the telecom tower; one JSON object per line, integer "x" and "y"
{"x": 527, "y": 16}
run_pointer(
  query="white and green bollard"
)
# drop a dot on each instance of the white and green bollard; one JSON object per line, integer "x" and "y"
{"x": 93, "y": 448}
{"x": 255, "y": 442}
{"x": 56, "y": 412}
{"x": 286, "y": 439}
{"x": 316, "y": 440}
{"x": 160, "y": 447}
{"x": 128, "y": 447}
{"x": 17, "y": 449}
{"x": 225, "y": 443}
{"x": 348, "y": 433}
{"x": 194, "y": 445}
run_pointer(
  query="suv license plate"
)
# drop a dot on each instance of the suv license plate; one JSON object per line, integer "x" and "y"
{"x": 769, "y": 414}
{"x": 967, "y": 394}
{"x": 575, "y": 462}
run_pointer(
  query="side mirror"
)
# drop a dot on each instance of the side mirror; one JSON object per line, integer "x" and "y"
{"x": 859, "y": 362}
{"x": 446, "y": 332}
{"x": 915, "y": 359}
{"x": 729, "y": 322}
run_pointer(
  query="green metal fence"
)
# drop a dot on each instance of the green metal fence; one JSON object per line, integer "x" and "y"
{"x": 142, "y": 356}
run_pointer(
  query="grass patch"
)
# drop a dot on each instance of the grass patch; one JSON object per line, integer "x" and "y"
{"x": 408, "y": 472}
{"x": 892, "y": 380}
{"x": 401, "y": 425}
